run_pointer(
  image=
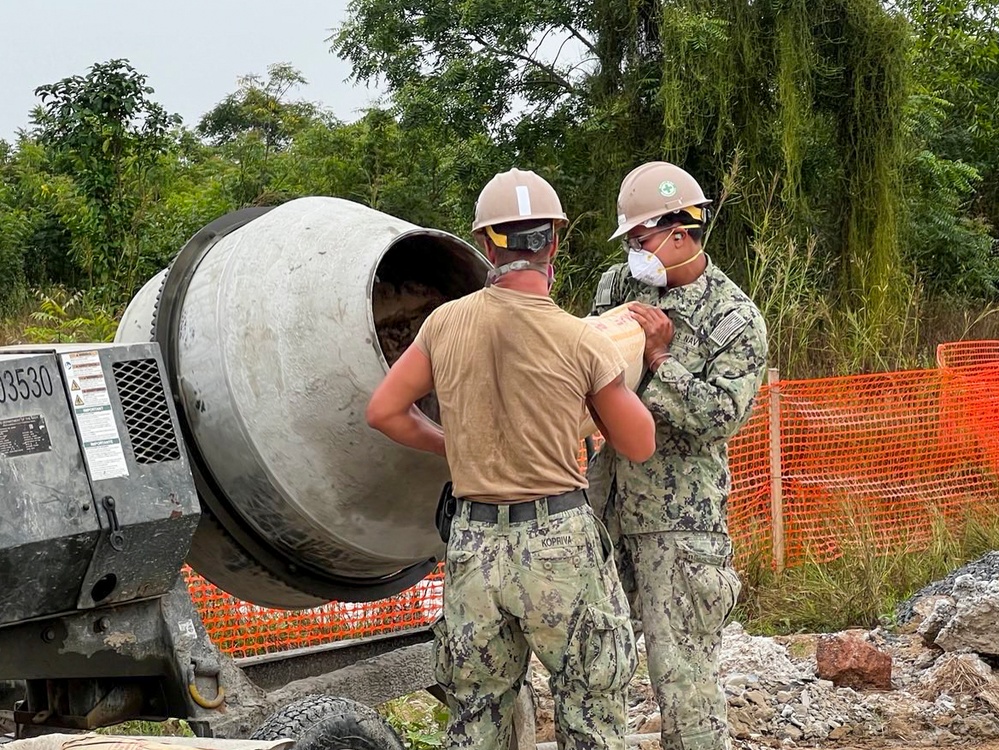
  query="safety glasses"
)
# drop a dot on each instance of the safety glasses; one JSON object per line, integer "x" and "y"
{"x": 636, "y": 243}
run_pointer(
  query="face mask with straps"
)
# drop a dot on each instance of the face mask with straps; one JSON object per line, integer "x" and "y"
{"x": 646, "y": 267}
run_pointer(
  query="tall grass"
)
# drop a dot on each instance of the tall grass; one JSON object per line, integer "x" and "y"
{"x": 64, "y": 316}
{"x": 811, "y": 335}
{"x": 864, "y": 585}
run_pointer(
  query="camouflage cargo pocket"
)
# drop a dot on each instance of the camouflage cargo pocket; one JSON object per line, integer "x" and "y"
{"x": 712, "y": 584}
{"x": 560, "y": 564}
{"x": 601, "y": 652}
{"x": 443, "y": 661}
{"x": 458, "y": 563}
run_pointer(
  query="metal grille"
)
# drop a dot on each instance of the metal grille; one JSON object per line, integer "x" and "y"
{"x": 147, "y": 417}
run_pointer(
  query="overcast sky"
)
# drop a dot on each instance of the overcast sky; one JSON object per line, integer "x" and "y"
{"x": 191, "y": 52}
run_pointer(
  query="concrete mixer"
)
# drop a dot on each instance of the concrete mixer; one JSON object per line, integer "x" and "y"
{"x": 224, "y": 426}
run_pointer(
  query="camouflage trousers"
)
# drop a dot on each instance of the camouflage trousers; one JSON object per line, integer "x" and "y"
{"x": 682, "y": 587}
{"x": 549, "y": 585}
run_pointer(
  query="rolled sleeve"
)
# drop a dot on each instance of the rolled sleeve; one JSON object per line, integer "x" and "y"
{"x": 716, "y": 406}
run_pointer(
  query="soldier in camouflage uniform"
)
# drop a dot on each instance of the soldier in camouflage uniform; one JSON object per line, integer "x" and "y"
{"x": 528, "y": 566}
{"x": 706, "y": 351}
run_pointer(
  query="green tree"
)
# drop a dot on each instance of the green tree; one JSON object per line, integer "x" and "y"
{"x": 464, "y": 66}
{"x": 805, "y": 93}
{"x": 260, "y": 106}
{"x": 104, "y": 131}
{"x": 37, "y": 210}
{"x": 947, "y": 242}
{"x": 254, "y": 123}
{"x": 953, "y": 120}
{"x": 13, "y": 229}
{"x": 487, "y": 86}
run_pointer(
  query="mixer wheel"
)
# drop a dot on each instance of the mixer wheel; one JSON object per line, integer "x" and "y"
{"x": 325, "y": 722}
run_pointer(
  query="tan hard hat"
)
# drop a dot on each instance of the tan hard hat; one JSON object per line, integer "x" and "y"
{"x": 517, "y": 195}
{"x": 653, "y": 190}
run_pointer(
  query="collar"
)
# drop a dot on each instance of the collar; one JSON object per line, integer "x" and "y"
{"x": 685, "y": 299}
{"x": 517, "y": 265}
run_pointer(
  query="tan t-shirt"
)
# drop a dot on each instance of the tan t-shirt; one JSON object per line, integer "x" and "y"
{"x": 511, "y": 372}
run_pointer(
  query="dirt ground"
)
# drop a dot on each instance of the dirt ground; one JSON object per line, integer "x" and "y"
{"x": 865, "y": 745}
{"x": 900, "y": 746}
{"x": 789, "y": 707}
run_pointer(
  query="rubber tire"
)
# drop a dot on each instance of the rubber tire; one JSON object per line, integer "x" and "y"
{"x": 326, "y": 722}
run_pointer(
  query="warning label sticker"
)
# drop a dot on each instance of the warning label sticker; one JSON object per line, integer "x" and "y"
{"x": 94, "y": 416}
{"x": 21, "y": 436}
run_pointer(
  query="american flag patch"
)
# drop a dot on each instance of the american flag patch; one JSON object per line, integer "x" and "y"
{"x": 604, "y": 287}
{"x": 725, "y": 331}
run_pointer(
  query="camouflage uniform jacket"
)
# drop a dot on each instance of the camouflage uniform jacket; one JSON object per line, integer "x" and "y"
{"x": 700, "y": 396}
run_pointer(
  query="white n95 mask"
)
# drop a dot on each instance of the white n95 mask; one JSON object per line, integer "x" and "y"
{"x": 646, "y": 268}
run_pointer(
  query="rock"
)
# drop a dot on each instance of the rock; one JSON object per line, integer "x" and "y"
{"x": 737, "y": 681}
{"x": 767, "y": 709}
{"x": 982, "y": 725}
{"x": 838, "y": 733}
{"x": 985, "y": 568}
{"x": 942, "y": 612}
{"x": 973, "y": 626}
{"x": 740, "y": 724}
{"x": 849, "y": 660}
{"x": 815, "y": 731}
{"x": 758, "y": 657}
{"x": 966, "y": 678}
{"x": 790, "y": 732}
{"x": 922, "y": 608}
{"x": 926, "y": 659}
{"x": 653, "y": 724}
{"x": 762, "y": 714}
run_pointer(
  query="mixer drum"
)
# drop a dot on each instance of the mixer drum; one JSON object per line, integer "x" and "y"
{"x": 276, "y": 325}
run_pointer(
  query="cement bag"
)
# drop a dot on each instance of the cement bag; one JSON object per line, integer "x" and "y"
{"x": 629, "y": 338}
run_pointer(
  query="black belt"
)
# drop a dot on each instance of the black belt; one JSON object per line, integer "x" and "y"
{"x": 525, "y": 511}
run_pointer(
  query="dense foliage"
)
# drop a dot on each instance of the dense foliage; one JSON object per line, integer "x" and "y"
{"x": 850, "y": 146}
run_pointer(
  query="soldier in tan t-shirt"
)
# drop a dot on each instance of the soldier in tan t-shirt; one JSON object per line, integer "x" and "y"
{"x": 528, "y": 567}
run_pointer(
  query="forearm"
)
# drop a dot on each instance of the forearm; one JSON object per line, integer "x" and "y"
{"x": 413, "y": 430}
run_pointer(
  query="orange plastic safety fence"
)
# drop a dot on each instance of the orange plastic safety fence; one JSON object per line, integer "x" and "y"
{"x": 242, "y": 629}
{"x": 875, "y": 460}
{"x": 967, "y": 353}
{"x": 750, "y": 499}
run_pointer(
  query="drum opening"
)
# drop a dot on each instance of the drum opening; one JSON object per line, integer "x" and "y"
{"x": 418, "y": 273}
